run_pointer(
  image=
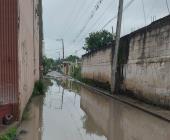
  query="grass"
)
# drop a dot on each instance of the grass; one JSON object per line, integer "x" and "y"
{"x": 39, "y": 88}
{"x": 77, "y": 73}
{"x": 25, "y": 115}
{"x": 9, "y": 135}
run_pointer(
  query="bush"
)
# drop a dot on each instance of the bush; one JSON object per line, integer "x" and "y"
{"x": 39, "y": 88}
{"x": 25, "y": 115}
{"x": 10, "y": 135}
{"x": 77, "y": 73}
{"x": 50, "y": 64}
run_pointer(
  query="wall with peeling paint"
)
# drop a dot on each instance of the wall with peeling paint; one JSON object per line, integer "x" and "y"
{"x": 143, "y": 63}
{"x": 19, "y": 54}
{"x": 28, "y": 49}
{"x": 147, "y": 73}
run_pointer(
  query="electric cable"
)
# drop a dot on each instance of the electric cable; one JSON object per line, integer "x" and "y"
{"x": 167, "y": 6}
{"x": 93, "y": 12}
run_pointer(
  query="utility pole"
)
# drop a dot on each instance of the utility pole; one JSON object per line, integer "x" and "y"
{"x": 58, "y": 54}
{"x": 116, "y": 49}
{"x": 63, "y": 47}
{"x": 62, "y": 41}
{"x": 112, "y": 30}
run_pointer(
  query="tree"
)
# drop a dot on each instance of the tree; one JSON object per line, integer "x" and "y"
{"x": 72, "y": 58}
{"x": 97, "y": 40}
{"x": 48, "y": 63}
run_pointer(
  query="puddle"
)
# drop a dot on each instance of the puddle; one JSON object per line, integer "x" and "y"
{"x": 71, "y": 112}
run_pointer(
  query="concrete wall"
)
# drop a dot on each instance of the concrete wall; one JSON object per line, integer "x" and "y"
{"x": 28, "y": 49}
{"x": 144, "y": 63}
{"x": 97, "y": 65}
{"x": 147, "y": 73}
{"x": 36, "y": 39}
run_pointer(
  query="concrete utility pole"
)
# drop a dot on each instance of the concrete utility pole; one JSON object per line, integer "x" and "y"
{"x": 63, "y": 47}
{"x": 116, "y": 49}
{"x": 62, "y": 40}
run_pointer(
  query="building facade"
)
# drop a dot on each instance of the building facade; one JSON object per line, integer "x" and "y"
{"x": 19, "y": 53}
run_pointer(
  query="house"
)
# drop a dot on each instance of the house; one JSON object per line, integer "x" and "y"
{"x": 68, "y": 67}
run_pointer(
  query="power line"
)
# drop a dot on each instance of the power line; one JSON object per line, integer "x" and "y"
{"x": 113, "y": 18}
{"x": 80, "y": 14}
{"x": 167, "y": 6}
{"x": 75, "y": 17}
{"x": 144, "y": 13}
{"x": 107, "y": 23}
{"x": 93, "y": 12}
{"x": 99, "y": 18}
{"x": 71, "y": 13}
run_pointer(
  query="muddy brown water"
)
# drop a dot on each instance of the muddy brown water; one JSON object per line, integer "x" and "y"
{"x": 71, "y": 112}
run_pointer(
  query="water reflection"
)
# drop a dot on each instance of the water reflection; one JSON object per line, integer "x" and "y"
{"x": 63, "y": 117}
{"x": 119, "y": 121}
{"x": 72, "y": 112}
{"x": 30, "y": 129}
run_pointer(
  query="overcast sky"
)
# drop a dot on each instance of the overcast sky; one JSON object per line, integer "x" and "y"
{"x": 65, "y": 19}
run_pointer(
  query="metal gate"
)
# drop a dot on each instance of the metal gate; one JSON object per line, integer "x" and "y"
{"x": 8, "y": 58}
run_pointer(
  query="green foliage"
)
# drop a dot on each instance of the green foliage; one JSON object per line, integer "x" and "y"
{"x": 48, "y": 64}
{"x": 97, "y": 40}
{"x": 77, "y": 73}
{"x": 25, "y": 115}
{"x": 72, "y": 58}
{"x": 39, "y": 88}
{"x": 10, "y": 134}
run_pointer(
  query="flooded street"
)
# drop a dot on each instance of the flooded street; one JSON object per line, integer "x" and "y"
{"x": 69, "y": 111}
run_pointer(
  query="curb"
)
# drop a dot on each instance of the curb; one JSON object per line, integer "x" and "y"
{"x": 152, "y": 110}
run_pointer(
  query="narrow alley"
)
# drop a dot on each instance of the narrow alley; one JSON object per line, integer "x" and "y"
{"x": 84, "y": 70}
{"x": 69, "y": 111}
